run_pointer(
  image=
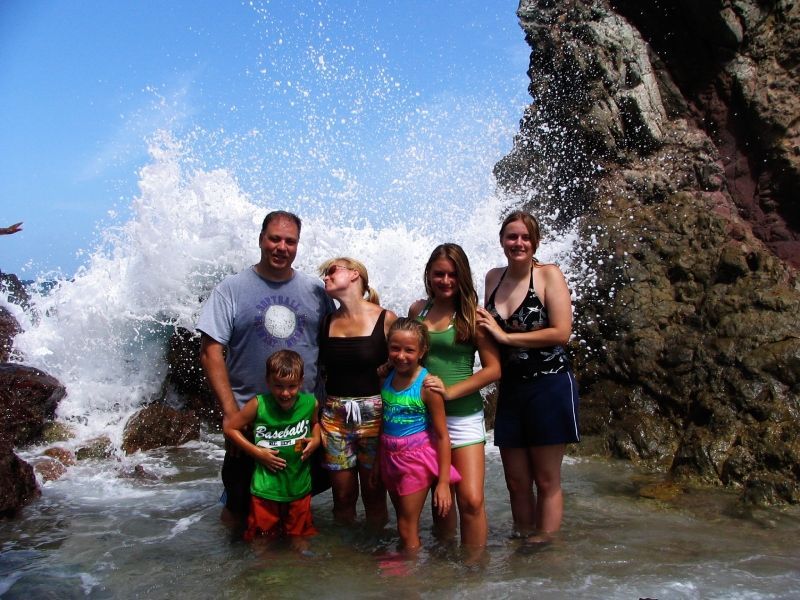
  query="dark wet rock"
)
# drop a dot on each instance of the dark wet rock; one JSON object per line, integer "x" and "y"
{"x": 187, "y": 379}
{"x": 49, "y": 469}
{"x": 489, "y": 406}
{"x": 663, "y": 491}
{"x": 15, "y": 290}
{"x": 9, "y": 328}
{"x": 63, "y": 455}
{"x": 57, "y": 432}
{"x": 17, "y": 482}
{"x": 28, "y": 400}
{"x": 671, "y": 143}
{"x": 138, "y": 472}
{"x": 156, "y": 425}
{"x": 99, "y": 448}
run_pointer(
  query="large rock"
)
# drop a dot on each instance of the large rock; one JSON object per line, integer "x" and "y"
{"x": 187, "y": 379}
{"x": 667, "y": 131}
{"x": 17, "y": 482}
{"x": 14, "y": 289}
{"x": 156, "y": 425}
{"x": 28, "y": 400}
{"x": 9, "y": 327}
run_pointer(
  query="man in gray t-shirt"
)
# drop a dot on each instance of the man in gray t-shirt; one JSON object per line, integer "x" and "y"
{"x": 265, "y": 308}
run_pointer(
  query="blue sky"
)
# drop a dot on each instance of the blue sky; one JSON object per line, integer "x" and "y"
{"x": 287, "y": 94}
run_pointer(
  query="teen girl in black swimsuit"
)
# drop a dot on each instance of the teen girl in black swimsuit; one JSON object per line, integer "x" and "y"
{"x": 529, "y": 313}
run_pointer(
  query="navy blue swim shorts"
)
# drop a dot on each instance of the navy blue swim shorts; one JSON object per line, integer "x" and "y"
{"x": 540, "y": 411}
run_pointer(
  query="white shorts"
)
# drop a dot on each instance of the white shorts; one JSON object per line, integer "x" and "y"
{"x": 466, "y": 431}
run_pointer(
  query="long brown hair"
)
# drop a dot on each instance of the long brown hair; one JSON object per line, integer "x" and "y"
{"x": 467, "y": 301}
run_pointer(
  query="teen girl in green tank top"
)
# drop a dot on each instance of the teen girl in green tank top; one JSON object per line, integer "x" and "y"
{"x": 449, "y": 312}
{"x": 452, "y": 362}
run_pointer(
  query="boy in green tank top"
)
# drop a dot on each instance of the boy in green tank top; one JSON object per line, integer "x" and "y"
{"x": 286, "y": 433}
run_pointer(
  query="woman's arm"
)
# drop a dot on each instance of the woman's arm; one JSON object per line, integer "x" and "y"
{"x": 442, "y": 500}
{"x": 556, "y": 298}
{"x": 315, "y": 439}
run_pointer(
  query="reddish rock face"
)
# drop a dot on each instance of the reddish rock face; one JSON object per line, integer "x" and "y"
{"x": 156, "y": 425}
{"x": 49, "y": 469}
{"x": 668, "y": 132}
{"x": 8, "y": 329}
{"x": 28, "y": 399}
{"x": 17, "y": 482}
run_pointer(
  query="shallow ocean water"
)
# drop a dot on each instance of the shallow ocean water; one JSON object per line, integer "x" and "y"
{"x": 97, "y": 534}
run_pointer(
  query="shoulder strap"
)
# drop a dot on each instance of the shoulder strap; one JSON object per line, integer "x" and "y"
{"x": 378, "y": 329}
{"x": 494, "y": 291}
{"x": 424, "y": 312}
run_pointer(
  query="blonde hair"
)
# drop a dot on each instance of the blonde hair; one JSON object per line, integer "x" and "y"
{"x": 467, "y": 302}
{"x": 358, "y": 267}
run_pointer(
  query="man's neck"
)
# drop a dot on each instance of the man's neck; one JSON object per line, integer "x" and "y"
{"x": 271, "y": 274}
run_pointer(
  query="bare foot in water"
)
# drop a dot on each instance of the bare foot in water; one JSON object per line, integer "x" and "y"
{"x": 540, "y": 539}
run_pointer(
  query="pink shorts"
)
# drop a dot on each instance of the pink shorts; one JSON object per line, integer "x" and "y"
{"x": 410, "y": 464}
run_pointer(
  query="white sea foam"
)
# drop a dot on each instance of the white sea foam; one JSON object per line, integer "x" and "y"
{"x": 103, "y": 333}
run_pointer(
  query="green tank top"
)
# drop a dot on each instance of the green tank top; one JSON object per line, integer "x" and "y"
{"x": 452, "y": 362}
{"x": 279, "y": 429}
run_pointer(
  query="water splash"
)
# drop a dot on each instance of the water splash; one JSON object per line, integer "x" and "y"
{"x": 376, "y": 170}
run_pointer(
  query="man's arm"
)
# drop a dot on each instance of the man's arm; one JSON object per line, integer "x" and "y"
{"x": 213, "y": 361}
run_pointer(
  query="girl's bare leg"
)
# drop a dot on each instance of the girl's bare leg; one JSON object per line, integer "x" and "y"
{"x": 409, "y": 509}
{"x": 519, "y": 481}
{"x": 546, "y": 468}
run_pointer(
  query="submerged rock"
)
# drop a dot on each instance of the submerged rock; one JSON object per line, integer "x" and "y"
{"x": 670, "y": 142}
{"x": 98, "y": 448}
{"x": 63, "y": 455}
{"x": 28, "y": 400}
{"x": 57, "y": 432}
{"x": 155, "y": 426}
{"x": 49, "y": 469}
{"x": 17, "y": 482}
{"x": 138, "y": 472}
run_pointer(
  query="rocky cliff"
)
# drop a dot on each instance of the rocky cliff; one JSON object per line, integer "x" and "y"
{"x": 668, "y": 133}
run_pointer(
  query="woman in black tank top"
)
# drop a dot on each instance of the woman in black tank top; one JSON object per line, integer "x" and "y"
{"x": 529, "y": 313}
{"x": 352, "y": 346}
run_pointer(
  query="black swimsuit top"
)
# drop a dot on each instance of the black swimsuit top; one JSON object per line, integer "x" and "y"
{"x": 531, "y": 315}
{"x": 351, "y": 363}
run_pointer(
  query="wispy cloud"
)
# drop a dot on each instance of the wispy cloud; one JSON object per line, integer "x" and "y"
{"x": 162, "y": 107}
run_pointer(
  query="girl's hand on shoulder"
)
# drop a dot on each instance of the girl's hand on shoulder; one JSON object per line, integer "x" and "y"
{"x": 442, "y": 500}
{"x": 270, "y": 459}
{"x": 435, "y": 384}
{"x": 383, "y": 370}
{"x": 486, "y": 321}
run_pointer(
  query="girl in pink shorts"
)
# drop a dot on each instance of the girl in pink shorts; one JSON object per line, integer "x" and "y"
{"x": 415, "y": 445}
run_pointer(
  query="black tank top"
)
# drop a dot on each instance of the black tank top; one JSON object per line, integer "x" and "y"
{"x": 351, "y": 363}
{"x": 525, "y": 363}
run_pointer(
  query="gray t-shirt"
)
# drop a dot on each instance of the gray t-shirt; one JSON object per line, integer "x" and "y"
{"x": 255, "y": 317}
